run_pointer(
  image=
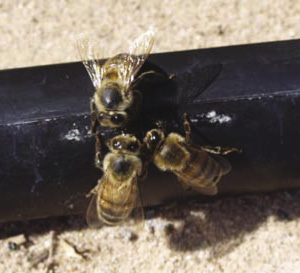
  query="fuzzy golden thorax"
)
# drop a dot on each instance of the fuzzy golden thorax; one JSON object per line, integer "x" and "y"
{"x": 122, "y": 168}
{"x": 172, "y": 155}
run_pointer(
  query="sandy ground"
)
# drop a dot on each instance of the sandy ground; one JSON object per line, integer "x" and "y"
{"x": 241, "y": 234}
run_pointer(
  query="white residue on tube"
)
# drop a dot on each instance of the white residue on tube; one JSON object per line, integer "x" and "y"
{"x": 213, "y": 117}
{"x": 73, "y": 134}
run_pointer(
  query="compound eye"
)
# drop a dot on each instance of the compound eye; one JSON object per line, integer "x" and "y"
{"x": 154, "y": 137}
{"x": 117, "y": 144}
{"x": 133, "y": 146}
{"x": 117, "y": 119}
{"x": 101, "y": 116}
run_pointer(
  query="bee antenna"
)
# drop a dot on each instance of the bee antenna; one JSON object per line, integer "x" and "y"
{"x": 185, "y": 116}
{"x": 187, "y": 128}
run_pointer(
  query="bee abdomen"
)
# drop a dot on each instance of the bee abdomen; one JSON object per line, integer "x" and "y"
{"x": 112, "y": 210}
{"x": 201, "y": 169}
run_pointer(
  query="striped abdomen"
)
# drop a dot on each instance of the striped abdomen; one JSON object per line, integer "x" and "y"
{"x": 201, "y": 170}
{"x": 115, "y": 204}
{"x": 192, "y": 165}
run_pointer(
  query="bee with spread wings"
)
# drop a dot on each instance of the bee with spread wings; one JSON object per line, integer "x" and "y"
{"x": 116, "y": 197}
{"x": 116, "y": 100}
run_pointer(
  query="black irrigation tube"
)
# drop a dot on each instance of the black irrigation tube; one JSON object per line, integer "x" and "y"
{"x": 250, "y": 99}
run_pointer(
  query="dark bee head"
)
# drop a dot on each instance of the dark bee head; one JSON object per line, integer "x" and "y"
{"x": 127, "y": 144}
{"x": 154, "y": 138}
{"x": 111, "y": 96}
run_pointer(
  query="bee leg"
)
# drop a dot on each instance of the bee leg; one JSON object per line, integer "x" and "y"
{"x": 220, "y": 150}
{"x": 172, "y": 76}
{"x": 148, "y": 76}
{"x": 94, "y": 118}
{"x": 160, "y": 125}
{"x": 187, "y": 128}
{"x": 140, "y": 77}
{"x": 98, "y": 154}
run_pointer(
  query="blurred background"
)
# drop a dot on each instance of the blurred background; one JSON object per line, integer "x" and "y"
{"x": 243, "y": 234}
{"x": 43, "y": 32}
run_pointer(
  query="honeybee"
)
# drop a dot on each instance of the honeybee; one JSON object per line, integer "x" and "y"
{"x": 116, "y": 100}
{"x": 192, "y": 164}
{"x": 116, "y": 196}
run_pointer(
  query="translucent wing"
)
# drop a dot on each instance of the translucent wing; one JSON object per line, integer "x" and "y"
{"x": 223, "y": 167}
{"x": 141, "y": 47}
{"x": 196, "y": 81}
{"x": 223, "y": 163}
{"x": 128, "y": 64}
{"x": 90, "y": 56}
{"x": 92, "y": 217}
{"x": 137, "y": 215}
{"x": 206, "y": 190}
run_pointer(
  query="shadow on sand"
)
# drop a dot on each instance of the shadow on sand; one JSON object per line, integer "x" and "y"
{"x": 220, "y": 225}
{"x": 223, "y": 224}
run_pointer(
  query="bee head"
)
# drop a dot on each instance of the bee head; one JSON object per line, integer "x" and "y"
{"x": 127, "y": 144}
{"x": 154, "y": 138}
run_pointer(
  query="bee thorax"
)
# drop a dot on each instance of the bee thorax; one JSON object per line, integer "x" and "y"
{"x": 171, "y": 157}
{"x": 121, "y": 166}
{"x": 111, "y": 96}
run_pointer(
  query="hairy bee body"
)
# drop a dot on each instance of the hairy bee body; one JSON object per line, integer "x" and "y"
{"x": 193, "y": 166}
{"x": 117, "y": 195}
{"x": 116, "y": 100}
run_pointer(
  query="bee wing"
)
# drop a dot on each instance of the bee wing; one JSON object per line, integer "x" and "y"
{"x": 128, "y": 64}
{"x": 92, "y": 216}
{"x": 225, "y": 167}
{"x": 206, "y": 190}
{"x": 142, "y": 46}
{"x": 196, "y": 81}
{"x": 220, "y": 160}
{"x": 224, "y": 163}
{"x": 209, "y": 189}
{"x": 90, "y": 56}
{"x": 137, "y": 215}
